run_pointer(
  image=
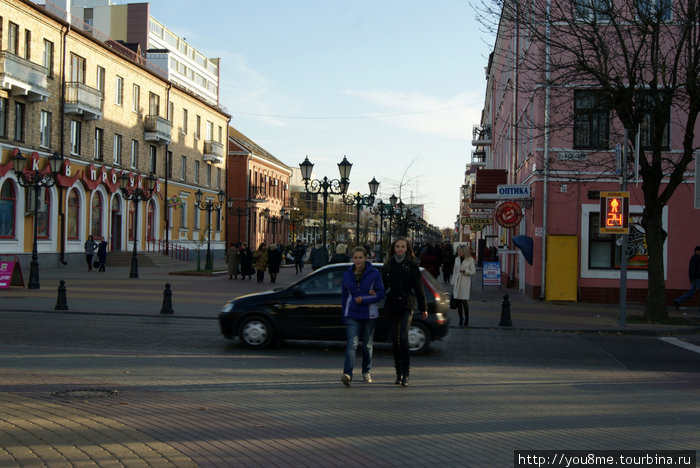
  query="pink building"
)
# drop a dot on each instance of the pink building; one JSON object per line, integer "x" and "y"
{"x": 549, "y": 141}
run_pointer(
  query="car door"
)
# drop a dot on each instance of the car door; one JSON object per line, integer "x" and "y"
{"x": 313, "y": 309}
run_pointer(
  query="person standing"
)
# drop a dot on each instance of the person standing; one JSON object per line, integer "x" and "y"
{"x": 361, "y": 292}
{"x": 274, "y": 260}
{"x": 341, "y": 254}
{"x": 245, "y": 257}
{"x": 404, "y": 285}
{"x": 232, "y": 261}
{"x": 429, "y": 261}
{"x": 318, "y": 256}
{"x": 260, "y": 258}
{"x": 448, "y": 261}
{"x": 299, "y": 252}
{"x": 462, "y": 273}
{"x": 102, "y": 254}
{"x": 694, "y": 276}
{"x": 90, "y": 247}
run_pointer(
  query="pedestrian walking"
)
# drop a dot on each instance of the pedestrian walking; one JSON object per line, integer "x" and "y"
{"x": 102, "y": 254}
{"x": 429, "y": 261}
{"x": 464, "y": 269}
{"x": 361, "y": 292}
{"x": 233, "y": 261}
{"x": 341, "y": 254}
{"x": 260, "y": 259}
{"x": 245, "y": 257}
{"x": 299, "y": 253}
{"x": 90, "y": 247}
{"x": 694, "y": 276}
{"x": 274, "y": 260}
{"x": 402, "y": 279}
{"x": 448, "y": 261}
{"x": 318, "y": 256}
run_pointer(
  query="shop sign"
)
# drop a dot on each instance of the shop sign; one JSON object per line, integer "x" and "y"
{"x": 476, "y": 224}
{"x": 513, "y": 192}
{"x": 508, "y": 214}
{"x": 572, "y": 156}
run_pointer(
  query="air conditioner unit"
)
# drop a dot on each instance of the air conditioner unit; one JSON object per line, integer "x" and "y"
{"x": 29, "y": 205}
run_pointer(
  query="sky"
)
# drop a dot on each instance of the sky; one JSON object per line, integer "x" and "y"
{"x": 394, "y": 85}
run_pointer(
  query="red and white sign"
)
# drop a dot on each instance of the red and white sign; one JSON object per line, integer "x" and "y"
{"x": 508, "y": 214}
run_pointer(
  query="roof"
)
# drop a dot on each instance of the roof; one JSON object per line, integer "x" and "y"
{"x": 253, "y": 147}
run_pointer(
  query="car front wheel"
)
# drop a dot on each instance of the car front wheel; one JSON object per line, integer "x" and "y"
{"x": 256, "y": 332}
{"x": 418, "y": 338}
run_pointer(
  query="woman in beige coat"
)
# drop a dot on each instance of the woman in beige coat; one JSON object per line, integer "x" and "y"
{"x": 462, "y": 273}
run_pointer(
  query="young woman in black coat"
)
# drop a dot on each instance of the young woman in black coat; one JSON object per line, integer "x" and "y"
{"x": 404, "y": 293}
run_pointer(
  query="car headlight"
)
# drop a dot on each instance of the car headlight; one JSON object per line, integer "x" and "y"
{"x": 228, "y": 307}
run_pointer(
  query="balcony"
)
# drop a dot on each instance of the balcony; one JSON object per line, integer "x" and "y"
{"x": 23, "y": 77}
{"x": 257, "y": 193}
{"x": 481, "y": 135}
{"x": 478, "y": 158}
{"x": 158, "y": 130}
{"x": 213, "y": 151}
{"x": 83, "y": 100}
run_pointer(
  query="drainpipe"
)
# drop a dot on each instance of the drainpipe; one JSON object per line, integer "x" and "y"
{"x": 167, "y": 165}
{"x": 61, "y": 214}
{"x": 545, "y": 182}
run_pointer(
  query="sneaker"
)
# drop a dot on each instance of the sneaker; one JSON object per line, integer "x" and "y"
{"x": 346, "y": 380}
{"x": 367, "y": 378}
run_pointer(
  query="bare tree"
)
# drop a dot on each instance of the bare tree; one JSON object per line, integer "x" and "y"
{"x": 642, "y": 59}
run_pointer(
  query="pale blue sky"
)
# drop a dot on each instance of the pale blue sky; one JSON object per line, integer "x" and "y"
{"x": 395, "y": 85}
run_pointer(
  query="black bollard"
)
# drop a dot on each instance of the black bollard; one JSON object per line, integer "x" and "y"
{"x": 167, "y": 300}
{"x": 61, "y": 303}
{"x": 505, "y": 313}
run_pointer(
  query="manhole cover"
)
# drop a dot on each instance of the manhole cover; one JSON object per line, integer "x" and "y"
{"x": 86, "y": 393}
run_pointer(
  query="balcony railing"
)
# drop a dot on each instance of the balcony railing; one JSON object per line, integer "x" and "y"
{"x": 478, "y": 158}
{"x": 481, "y": 135}
{"x": 158, "y": 130}
{"x": 213, "y": 151}
{"x": 23, "y": 77}
{"x": 257, "y": 192}
{"x": 84, "y": 100}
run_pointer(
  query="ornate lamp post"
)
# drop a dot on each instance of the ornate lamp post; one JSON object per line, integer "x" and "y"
{"x": 383, "y": 210}
{"x": 136, "y": 194}
{"x": 359, "y": 201}
{"x": 326, "y": 187}
{"x": 36, "y": 179}
{"x": 274, "y": 220}
{"x": 239, "y": 212}
{"x": 209, "y": 206}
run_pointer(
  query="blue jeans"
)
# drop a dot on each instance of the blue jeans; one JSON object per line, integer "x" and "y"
{"x": 354, "y": 330}
{"x": 694, "y": 285}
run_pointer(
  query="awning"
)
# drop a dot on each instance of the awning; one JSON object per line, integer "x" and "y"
{"x": 524, "y": 243}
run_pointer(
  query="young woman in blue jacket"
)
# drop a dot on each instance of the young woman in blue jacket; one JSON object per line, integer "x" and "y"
{"x": 361, "y": 292}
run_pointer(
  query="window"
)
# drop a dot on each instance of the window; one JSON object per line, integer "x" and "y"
{"x": 131, "y": 227}
{"x": 196, "y": 172}
{"x": 326, "y": 283}
{"x": 136, "y": 98}
{"x": 218, "y": 177}
{"x": 96, "y": 216}
{"x": 654, "y": 11}
{"x": 208, "y": 175}
{"x": 184, "y": 121}
{"x": 152, "y": 156}
{"x": 183, "y": 214}
{"x": 47, "y": 57}
{"x": 197, "y": 217}
{"x": 77, "y": 68}
{"x": 593, "y": 10}
{"x": 7, "y": 210}
{"x": 654, "y": 113}
{"x": 119, "y": 91}
{"x": 591, "y": 120}
{"x": 197, "y": 127}
{"x": 209, "y": 131}
{"x": 99, "y": 144}
{"x": 117, "y": 149}
{"x": 45, "y": 129}
{"x": 19, "y": 121}
{"x": 43, "y": 215}
{"x": 150, "y": 224}
{"x": 134, "y": 153}
{"x": 169, "y": 164}
{"x": 27, "y": 44}
{"x": 75, "y": 137}
{"x": 605, "y": 253}
{"x": 73, "y": 216}
{"x": 183, "y": 167}
{"x": 221, "y": 133}
{"x": 100, "y": 80}
{"x": 3, "y": 117}
{"x": 171, "y": 111}
{"x": 153, "y": 104}
{"x": 13, "y": 38}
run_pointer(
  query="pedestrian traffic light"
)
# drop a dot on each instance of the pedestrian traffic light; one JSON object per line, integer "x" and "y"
{"x": 614, "y": 212}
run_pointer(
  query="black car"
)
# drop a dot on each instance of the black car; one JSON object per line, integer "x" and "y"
{"x": 310, "y": 309}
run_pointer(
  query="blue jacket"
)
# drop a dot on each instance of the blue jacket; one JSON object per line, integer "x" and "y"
{"x": 371, "y": 280}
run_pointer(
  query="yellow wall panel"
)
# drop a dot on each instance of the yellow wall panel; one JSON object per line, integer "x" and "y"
{"x": 562, "y": 267}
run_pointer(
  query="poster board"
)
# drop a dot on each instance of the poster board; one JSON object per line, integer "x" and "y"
{"x": 491, "y": 274}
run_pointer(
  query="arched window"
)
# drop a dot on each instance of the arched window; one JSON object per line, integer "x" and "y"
{"x": 73, "y": 215}
{"x": 96, "y": 216}
{"x": 44, "y": 214}
{"x": 132, "y": 213}
{"x": 7, "y": 210}
{"x": 150, "y": 228}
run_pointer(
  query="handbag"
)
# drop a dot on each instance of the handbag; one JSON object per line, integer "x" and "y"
{"x": 453, "y": 302}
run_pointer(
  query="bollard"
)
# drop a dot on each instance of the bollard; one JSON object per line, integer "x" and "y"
{"x": 167, "y": 300}
{"x": 505, "y": 313}
{"x": 61, "y": 303}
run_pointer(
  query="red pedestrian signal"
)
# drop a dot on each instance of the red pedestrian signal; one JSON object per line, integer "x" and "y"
{"x": 614, "y": 212}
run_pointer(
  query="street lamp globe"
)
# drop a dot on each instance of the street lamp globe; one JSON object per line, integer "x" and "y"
{"x": 198, "y": 196}
{"x": 306, "y": 168}
{"x": 344, "y": 167}
{"x": 18, "y": 162}
{"x": 393, "y": 199}
{"x": 373, "y": 186}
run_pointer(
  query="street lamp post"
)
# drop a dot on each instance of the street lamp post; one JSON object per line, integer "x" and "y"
{"x": 274, "y": 220}
{"x": 326, "y": 187}
{"x": 239, "y": 212}
{"x": 209, "y": 206}
{"x": 383, "y": 210}
{"x": 359, "y": 200}
{"x": 36, "y": 179}
{"x": 136, "y": 194}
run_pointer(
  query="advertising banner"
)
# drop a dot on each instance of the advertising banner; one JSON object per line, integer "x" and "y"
{"x": 491, "y": 274}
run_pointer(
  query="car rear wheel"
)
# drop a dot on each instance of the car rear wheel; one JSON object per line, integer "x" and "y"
{"x": 418, "y": 338}
{"x": 256, "y": 332}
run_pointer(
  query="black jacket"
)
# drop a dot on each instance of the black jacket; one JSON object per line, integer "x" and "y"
{"x": 694, "y": 267}
{"x": 404, "y": 286}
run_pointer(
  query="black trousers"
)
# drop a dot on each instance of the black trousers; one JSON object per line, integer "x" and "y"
{"x": 400, "y": 321}
{"x": 463, "y": 311}
{"x": 260, "y": 275}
